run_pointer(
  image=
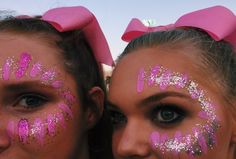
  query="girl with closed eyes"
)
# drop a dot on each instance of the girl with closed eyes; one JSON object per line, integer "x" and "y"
{"x": 173, "y": 91}
{"x": 52, "y": 90}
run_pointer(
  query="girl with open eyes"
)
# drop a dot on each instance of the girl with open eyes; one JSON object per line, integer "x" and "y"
{"x": 52, "y": 88}
{"x": 173, "y": 91}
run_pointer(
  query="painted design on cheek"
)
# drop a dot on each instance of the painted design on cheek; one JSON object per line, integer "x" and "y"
{"x": 61, "y": 120}
{"x": 6, "y": 71}
{"x": 38, "y": 130}
{"x": 202, "y": 137}
{"x": 70, "y": 98}
{"x": 66, "y": 109}
{"x": 51, "y": 125}
{"x": 23, "y": 64}
{"x": 36, "y": 70}
{"x": 23, "y": 130}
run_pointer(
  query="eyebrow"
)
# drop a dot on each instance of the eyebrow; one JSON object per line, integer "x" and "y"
{"x": 26, "y": 85}
{"x": 161, "y": 95}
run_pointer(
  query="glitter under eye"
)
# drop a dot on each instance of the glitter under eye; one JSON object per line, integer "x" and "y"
{"x": 202, "y": 136}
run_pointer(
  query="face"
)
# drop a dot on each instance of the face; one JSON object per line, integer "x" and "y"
{"x": 165, "y": 106}
{"x": 41, "y": 115}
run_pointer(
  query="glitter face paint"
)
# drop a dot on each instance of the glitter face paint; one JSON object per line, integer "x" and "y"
{"x": 23, "y": 130}
{"x": 202, "y": 137}
{"x": 6, "y": 70}
{"x": 23, "y": 64}
{"x": 39, "y": 128}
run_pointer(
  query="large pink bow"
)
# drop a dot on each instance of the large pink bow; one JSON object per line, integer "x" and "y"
{"x": 218, "y": 21}
{"x": 72, "y": 18}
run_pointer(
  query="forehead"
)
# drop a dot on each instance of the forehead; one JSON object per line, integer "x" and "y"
{"x": 124, "y": 78}
{"x": 13, "y": 44}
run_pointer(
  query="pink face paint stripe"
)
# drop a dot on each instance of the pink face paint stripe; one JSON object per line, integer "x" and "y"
{"x": 39, "y": 130}
{"x": 66, "y": 109}
{"x": 36, "y": 69}
{"x": 182, "y": 82}
{"x": 11, "y": 129}
{"x": 48, "y": 75}
{"x": 202, "y": 114}
{"x": 61, "y": 120}
{"x": 23, "y": 64}
{"x": 165, "y": 79}
{"x": 154, "y": 72}
{"x": 51, "y": 125}
{"x": 23, "y": 130}
{"x": 155, "y": 139}
{"x": 57, "y": 84}
{"x": 140, "y": 82}
{"x": 202, "y": 143}
{"x": 6, "y": 71}
{"x": 68, "y": 96}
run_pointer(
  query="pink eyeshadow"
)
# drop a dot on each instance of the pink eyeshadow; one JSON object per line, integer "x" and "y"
{"x": 23, "y": 64}
{"x": 6, "y": 71}
{"x": 36, "y": 70}
{"x": 23, "y": 130}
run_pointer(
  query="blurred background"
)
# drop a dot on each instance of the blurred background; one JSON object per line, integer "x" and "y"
{"x": 114, "y": 16}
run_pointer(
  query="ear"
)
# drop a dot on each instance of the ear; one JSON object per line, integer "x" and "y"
{"x": 96, "y": 107}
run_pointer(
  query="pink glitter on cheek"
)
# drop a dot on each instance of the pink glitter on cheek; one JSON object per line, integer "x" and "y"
{"x": 23, "y": 130}
{"x": 36, "y": 69}
{"x": 23, "y": 64}
{"x": 38, "y": 130}
{"x": 68, "y": 96}
{"x": 66, "y": 109}
{"x": 51, "y": 122}
{"x": 61, "y": 120}
{"x": 6, "y": 71}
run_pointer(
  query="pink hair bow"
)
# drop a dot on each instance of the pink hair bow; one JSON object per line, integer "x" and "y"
{"x": 72, "y": 18}
{"x": 218, "y": 21}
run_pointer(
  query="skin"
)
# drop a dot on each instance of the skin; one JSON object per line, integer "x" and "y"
{"x": 69, "y": 140}
{"x": 134, "y": 124}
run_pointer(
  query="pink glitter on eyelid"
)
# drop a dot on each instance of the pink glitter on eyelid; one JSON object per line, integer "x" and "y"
{"x": 23, "y": 64}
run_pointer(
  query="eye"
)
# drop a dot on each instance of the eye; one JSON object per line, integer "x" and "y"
{"x": 117, "y": 118}
{"x": 30, "y": 101}
{"x": 168, "y": 114}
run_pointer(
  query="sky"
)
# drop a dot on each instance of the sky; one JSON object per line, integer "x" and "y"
{"x": 114, "y": 16}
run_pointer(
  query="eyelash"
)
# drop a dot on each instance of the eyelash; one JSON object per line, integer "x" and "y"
{"x": 21, "y": 100}
{"x": 177, "y": 113}
{"x": 118, "y": 119}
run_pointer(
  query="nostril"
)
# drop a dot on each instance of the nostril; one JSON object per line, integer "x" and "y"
{"x": 5, "y": 141}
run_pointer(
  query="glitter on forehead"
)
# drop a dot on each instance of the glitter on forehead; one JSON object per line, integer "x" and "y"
{"x": 202, "y": 137}
{"x": 6, "y": 70}
{"x": 23, "y": 64}
{"x": 36, "y": 70}
{"x": 48, "y": 75}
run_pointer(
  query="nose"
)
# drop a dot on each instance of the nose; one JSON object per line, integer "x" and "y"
{"x": 133, "y": 141}
{"x": 5, "y": 139}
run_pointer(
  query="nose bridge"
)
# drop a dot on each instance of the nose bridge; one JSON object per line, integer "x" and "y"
{"x": 134, "y": 140}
